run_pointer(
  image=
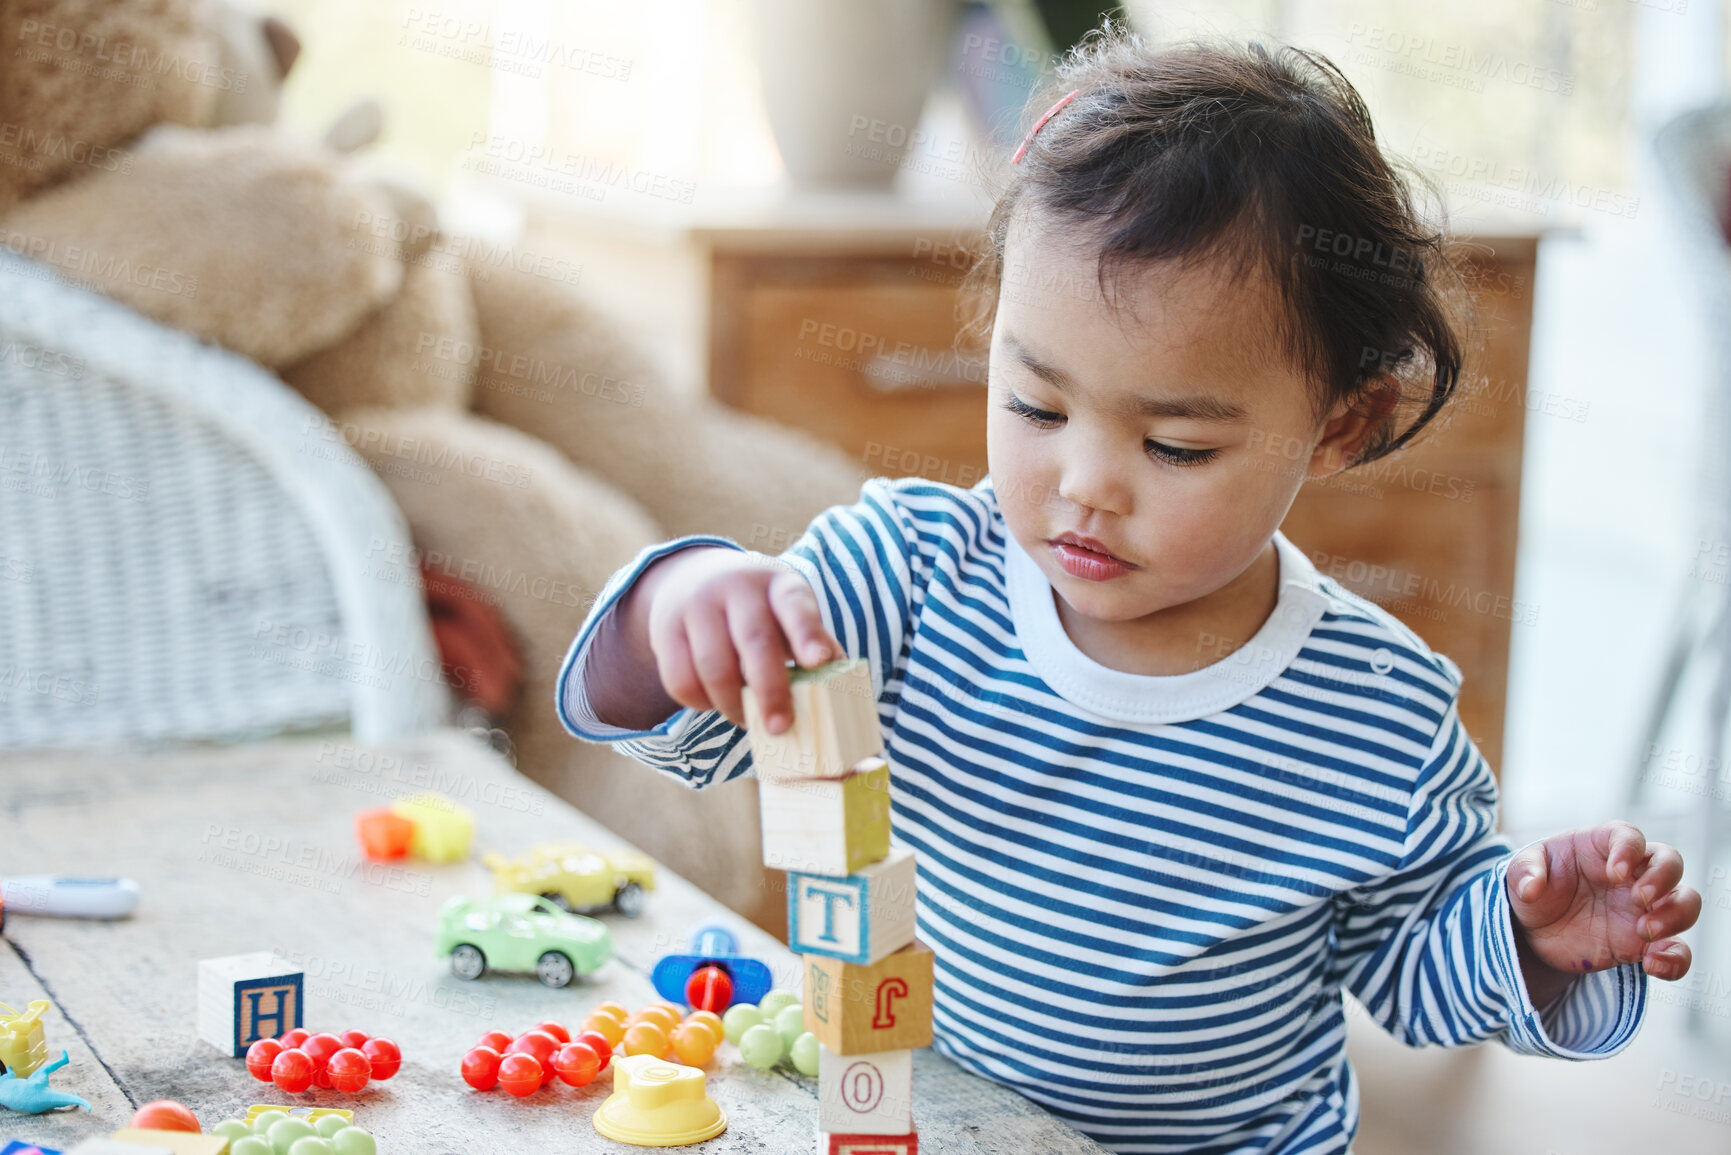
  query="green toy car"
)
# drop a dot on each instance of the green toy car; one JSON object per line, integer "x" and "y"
{"x": 520, "y": 932}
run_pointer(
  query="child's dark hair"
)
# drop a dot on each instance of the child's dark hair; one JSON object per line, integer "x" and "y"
{"x": 1264, "y": 158}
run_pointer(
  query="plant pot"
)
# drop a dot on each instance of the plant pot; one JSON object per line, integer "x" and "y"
{"x": 845, "y": 82}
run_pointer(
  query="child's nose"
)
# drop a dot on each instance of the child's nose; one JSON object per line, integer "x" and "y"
{"x": 1094, "y": 479}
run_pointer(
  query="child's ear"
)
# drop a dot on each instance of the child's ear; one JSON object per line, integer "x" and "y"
{"x": 1351, "y": 423}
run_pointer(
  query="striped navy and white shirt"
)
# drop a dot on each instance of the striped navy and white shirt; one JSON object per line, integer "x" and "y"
{"x": 1147, "y": 894}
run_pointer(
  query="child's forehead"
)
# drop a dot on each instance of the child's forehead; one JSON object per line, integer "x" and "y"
{"x": 1206, "y": 310}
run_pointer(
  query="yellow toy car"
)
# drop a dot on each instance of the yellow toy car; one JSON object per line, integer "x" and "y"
{"x": 23, "y": 1047}
{"x": 575, "y": 877}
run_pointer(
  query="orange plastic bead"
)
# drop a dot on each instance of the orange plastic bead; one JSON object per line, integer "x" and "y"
{"x": 660, "y": 1014}
{"x": 383, "y": 833}
{"x": 711, "y": 1020}
{"x": 693, "y": 1043}
{"x": 606, "y": 1026}
{"x": 646, "y": 1039}
{"x": 617, "y": 1010}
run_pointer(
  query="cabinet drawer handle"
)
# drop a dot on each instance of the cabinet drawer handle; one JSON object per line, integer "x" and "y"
{"x": 888, "y": 375}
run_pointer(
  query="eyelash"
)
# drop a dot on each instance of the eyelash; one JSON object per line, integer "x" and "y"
{"x": 1171, "y": 454}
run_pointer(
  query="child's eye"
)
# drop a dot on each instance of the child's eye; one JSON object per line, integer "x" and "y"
{"x": 1044, "y": 418}
{"x": 1178, "y": 455}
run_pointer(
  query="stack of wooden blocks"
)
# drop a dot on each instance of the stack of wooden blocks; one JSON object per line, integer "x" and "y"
{"x": 824, "y": 788}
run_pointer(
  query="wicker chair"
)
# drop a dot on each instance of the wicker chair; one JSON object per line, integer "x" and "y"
{"x": 188, "y": 549}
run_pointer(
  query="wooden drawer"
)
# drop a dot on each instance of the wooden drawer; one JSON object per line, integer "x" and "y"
{"x": 857, "y": 351}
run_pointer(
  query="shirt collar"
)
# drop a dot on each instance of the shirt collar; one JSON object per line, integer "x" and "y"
{"x": 1161, "y": 699}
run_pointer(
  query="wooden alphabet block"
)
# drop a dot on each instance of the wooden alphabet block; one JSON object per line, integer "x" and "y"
{"x": 827, "y": 825}
{"x": 245, "y": 998}
{"x": 835, "y": 724}
{"x": 858, "y": 1010}
{"x": 865, "y": 1094}
{"x": 857, "y": 918}
{"x": 828, "y": 1144}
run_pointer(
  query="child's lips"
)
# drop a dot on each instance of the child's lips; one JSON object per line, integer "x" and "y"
{"x": 1086, "y": 562}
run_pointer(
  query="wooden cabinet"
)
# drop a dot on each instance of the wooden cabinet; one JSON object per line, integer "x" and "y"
{"x": 856, "y": 350}
{"x": 840, "y": 317}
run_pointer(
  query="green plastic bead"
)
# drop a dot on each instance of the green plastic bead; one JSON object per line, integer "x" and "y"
{"x": 790, "y": 1022}
{"x": 354, "y": 1141}
{"x": 312, "y": 1145}
{"x": 740, "y": 1018}
{"x": 266, "y": 1120}
{"x": 804, "y": 1054}
{"x": 774, "y": 1001}
{"x": 232, "y": 1129}
{"x": 328, "y": 1125}
{"x": 250, "y": 1145}
{"x": 285, "y": 1132}
{"x": 761, "y": 1046}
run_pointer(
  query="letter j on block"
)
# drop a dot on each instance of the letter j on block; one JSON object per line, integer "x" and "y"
{"x": 857, "y": 918}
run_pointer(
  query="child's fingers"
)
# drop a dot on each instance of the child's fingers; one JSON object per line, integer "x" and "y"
{"x": 1668, "y": 960}
{"x": 716, "y": 662}
{"x": 1623, "y": 847}
{"x": 679, "y": 678}
{"x": 796, "y": 608}
{"x": 1663, "y": 872}
{"x": 1528, "y": 872}
{"x": 1673, "y": 914}
{"x": 762, "y": 656}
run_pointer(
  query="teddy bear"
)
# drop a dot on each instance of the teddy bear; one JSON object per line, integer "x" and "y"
{"x": 532, "y": 451}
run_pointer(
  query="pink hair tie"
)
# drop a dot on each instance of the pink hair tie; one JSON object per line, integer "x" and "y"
{"x": 1022, "y": 149}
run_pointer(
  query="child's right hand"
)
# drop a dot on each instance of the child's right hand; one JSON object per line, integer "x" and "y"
{"x": 720, "y": 619}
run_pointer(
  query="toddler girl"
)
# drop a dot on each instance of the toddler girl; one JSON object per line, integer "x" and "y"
{"x": 1171, "y": 792}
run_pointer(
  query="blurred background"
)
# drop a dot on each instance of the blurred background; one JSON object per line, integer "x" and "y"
{"x": 714, "y": 247}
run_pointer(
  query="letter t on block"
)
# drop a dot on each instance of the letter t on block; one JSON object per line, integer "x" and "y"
{"x": 835, "y": 724}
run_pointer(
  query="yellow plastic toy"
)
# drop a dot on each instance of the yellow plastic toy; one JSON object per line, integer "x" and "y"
{"x": 658, "y": 1104}
{"x": 307, "y": 1113}
{"x": 443, "y": 830}
{"x": 23, "y": 1046}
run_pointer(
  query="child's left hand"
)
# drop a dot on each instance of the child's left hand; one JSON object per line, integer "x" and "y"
{"x": 1598, "y": 897}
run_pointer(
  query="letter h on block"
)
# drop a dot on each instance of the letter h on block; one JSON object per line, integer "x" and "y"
{"x": 857, "y": 918}
{"x": 245, "y": 998}
{"x": 835, "y": 724}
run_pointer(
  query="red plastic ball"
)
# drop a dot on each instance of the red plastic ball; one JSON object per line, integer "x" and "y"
{"x": 481, "y": 1068}
{"x": 554, "y": 1029}
{"x": 384, "y": 1057}
{"x": 498, "y": 1040}
{"x": 597, "y": 1042}
{"x": 292, "y": 1070}
{"x": 349, "y": 1070}
{"x": 355, "y": 1039}
{"x": 709, "y": 989}
{"x": 520, "y": 1074}
{"x": 539, "y": 1044}
{"x": 319, "y": 1049}
{"x": 260, "y": 1056}
{"x": 295, "y": 1037}
{"x": 577, "y": 1064}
